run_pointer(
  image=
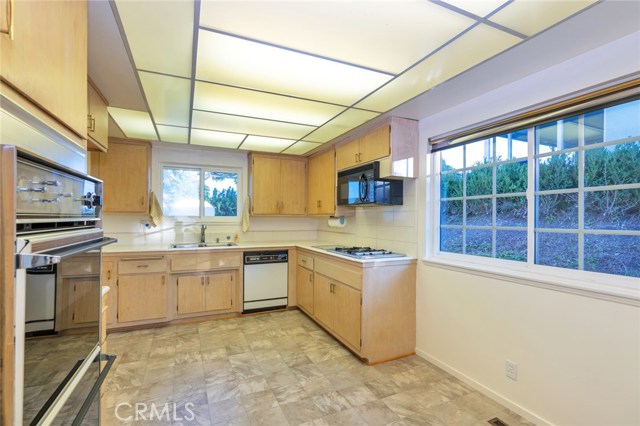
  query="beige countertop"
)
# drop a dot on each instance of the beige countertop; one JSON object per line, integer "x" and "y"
{"x": 271, "y": 245}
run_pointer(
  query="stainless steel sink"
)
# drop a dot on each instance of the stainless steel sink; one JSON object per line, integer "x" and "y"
{"x": 198, "y": 245}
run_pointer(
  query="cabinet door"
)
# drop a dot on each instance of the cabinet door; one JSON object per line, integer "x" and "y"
{"x": 125, "y": 172}
{"x": 47, "y": 58}
{"x": 375, "y": 145}
{"x": 141, "y": 297}
{"x": 98, "y": 125}
{"x": 293, "y": 189}
{"x": 112, "y": 295}
{"x": 86, "y": 300}
{"x": 348, "y": 312}
{"x": 219, "y": 291}
{"x": 323, "y": 301}
{"x": 265, "y": 185}
{"x": 321, "y": 184}
{"x": 191, "y": 294}
{"x": 304, "y": 288}
{"x": 347, "y": 154}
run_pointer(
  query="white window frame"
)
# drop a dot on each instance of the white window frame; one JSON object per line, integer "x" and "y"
{"x": 203, "y": 169}
{"x": 617, "y": 288}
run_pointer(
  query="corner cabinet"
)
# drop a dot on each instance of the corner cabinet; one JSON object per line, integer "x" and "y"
{"x": 277, "y": 185}
{"x": 368, "y": 306}
{"x": 394, "y": 144}
{"x": 124, "y": 192}
{"x": 45, "y": 58}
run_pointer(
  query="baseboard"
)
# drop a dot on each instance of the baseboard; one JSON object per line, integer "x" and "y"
{"x": 518, "y": 409}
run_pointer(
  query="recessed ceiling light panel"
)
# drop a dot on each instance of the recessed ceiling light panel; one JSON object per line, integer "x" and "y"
{"x": 261, "y": 143}
{"x": 237, "y": 124}
{"x": 173, "y": 134}
{"x": 216, "y": 139}
{"x": 231, "y": 100}
{"x": 134, "y": 124}
{"x": 301, "y": 148}
{"x": 168, "y": 98}
{"x": 346, "y": 121}
{"x": 238, "y": 62}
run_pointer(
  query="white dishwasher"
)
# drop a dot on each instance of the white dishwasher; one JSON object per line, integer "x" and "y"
{"x": 266, "y": 280}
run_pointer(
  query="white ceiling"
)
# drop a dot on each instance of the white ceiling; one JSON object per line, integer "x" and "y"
{"x": 281, "y": 76}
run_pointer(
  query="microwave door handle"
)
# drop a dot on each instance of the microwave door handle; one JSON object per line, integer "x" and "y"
{"x": 363, "y": 188}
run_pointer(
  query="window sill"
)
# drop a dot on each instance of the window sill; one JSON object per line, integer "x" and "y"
{"x": 600, "y": 287}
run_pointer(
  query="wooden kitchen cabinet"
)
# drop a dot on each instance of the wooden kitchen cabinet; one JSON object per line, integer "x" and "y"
{"x": 206, "y": 292}
{"x": 78, "y": 292}
{"x": 85, "y": 294}
{"x": 304, "y": 288}
{"x": 142, "y": 297}
{"x": 369, "y": 147}
{"x": 97, "y": 119}
{"x": 53, "y": 36}
{"x": 111, "y": 298}
{"x": 125, "y": 172}
{"x": 394, "y": 144}
{"x": 277, "y": 185}
{"x": 368, "y": 306}
{"x": 321, "y": 184}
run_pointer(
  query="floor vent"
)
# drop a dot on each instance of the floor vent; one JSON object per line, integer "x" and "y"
{"x": 497, "y": 422}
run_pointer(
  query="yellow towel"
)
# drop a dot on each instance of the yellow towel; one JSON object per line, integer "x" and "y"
{"x": 245, "y": 215}
{"x": 155, "y": 211}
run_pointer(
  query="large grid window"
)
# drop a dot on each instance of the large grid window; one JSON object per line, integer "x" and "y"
{"x": 199, "y": 192}
{"x": 585, "y": 172}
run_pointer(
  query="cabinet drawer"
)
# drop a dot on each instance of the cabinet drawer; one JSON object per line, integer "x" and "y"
{"x": 141, "y": 265}
{"x": 80, "y": 266}
{"x": 305, "y": 261}
{"x": 205, "y": 261}
{"x": 340, "y": 273}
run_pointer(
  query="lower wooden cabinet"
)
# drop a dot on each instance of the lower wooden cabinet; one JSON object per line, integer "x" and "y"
{"x": 85, "y": 294}
{"x": 338, "y": 306}
{"x": 304, "y": 288}
{"x": 368, "y": 306}
{"x": 205, "y": 292}
{"x": 142, "y": 297}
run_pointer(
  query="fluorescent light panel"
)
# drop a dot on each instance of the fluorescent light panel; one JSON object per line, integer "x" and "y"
{"x": 346, "y": 121}
{"x": 173, "y": 134}
{"x": 479, "y": 8}
{"x": 160, "y": 34}
{"x": 261, "y": 143}
{"x": 361, "y": 33}
{"x": 255, "y": 126}
{"x": 301, "y": 148}
{"x": 168, "y": 98}
{"x": 473, "y": 47}
{"x": 237, "y": 62}
{"x": 216, "y": 139}
{"x": 230, "y": 100}
{"x": 134, "y": 124}
{"x": 531, "y": 17}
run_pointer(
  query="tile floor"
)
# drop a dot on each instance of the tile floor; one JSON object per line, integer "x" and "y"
{"x": 277, "y": 369}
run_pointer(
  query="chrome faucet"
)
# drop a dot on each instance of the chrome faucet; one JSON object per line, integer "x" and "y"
{"x": 202, "y": 229}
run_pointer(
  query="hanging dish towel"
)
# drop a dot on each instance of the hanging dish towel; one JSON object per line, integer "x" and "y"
{"x": 245, "y": 215}
{"x": 155, "y": 211}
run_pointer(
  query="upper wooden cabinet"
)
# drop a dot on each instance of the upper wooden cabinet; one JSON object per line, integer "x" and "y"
{"x": 277, "y": 185}
{"x": 46, "y": 59}
{"x": 321, "y": 184}
{"x": 97, "y": 120}
{"x": 125, "y": 172}
{"x": 395, "y": 144}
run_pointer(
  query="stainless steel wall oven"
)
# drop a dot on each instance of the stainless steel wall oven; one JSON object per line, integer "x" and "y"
{"x": 58, "y": 239}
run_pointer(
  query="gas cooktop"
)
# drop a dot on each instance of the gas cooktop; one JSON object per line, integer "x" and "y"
{"x": 362, "y": 252}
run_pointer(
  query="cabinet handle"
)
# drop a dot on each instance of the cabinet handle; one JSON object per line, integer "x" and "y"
{"x": 163, "y": 280}
{"x": 142, "y": 201}
{"x": 89, "y": 118}
{"x": 93, "y": 124}
{"x": 310, "y": 278}
{"x": 9, "y": 18}
{"x": 143, "y": 266}
{"x": 356, "y": 157}
{"x": 109, "y": 274}
{"x": 202, "y": 280}
{"x": 126, "y": 259}
{"x": 208, "y": 280}
{"x": 359, "y": 156}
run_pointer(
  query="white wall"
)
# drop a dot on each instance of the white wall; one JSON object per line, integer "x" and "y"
{"x": 578, "y": 357}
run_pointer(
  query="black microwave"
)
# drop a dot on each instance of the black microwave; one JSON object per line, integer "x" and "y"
{"x": 362, "y": 186}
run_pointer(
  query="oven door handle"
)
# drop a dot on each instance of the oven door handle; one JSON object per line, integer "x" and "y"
{"x": 95, "y": 389}
{"x": 81, "y": 248}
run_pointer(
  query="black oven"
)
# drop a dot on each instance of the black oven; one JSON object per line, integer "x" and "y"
{"x": 59, "y": 237}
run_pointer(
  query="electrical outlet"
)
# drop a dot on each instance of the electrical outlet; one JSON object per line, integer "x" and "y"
{"x": 511, "y": 370}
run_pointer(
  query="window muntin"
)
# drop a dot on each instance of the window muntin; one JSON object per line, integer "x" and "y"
{"x": 200, "y": 192}
{"x": 586, "y": 194}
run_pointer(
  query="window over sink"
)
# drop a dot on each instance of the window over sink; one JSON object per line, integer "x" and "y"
{"x": 200, "y": 192}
